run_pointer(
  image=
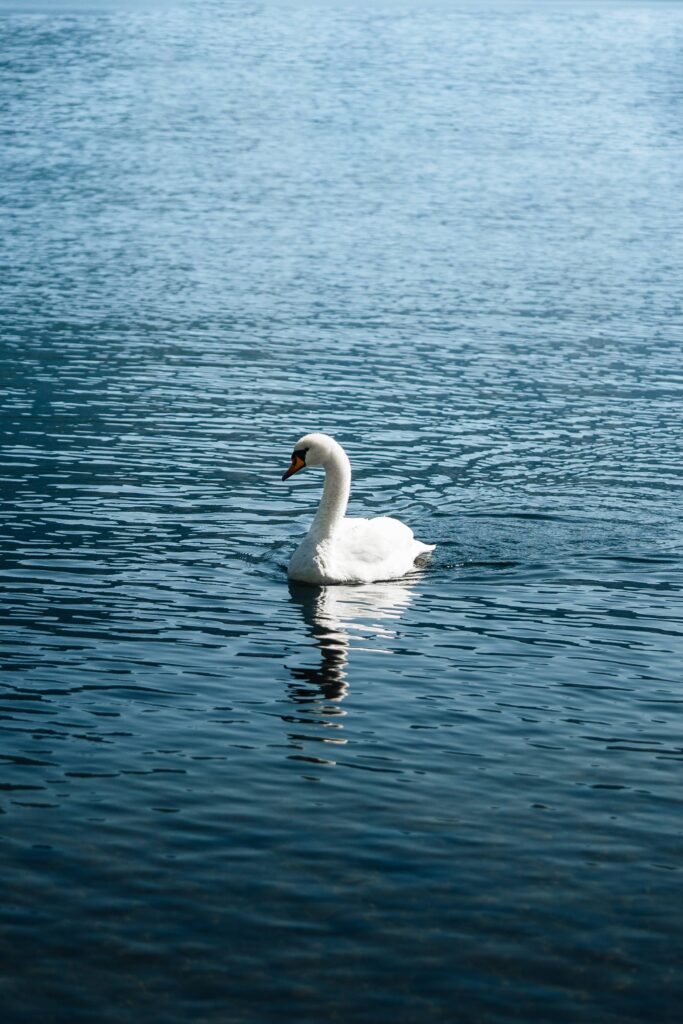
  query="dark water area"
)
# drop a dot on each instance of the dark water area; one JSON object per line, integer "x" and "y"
{"x": 451, "y": 237}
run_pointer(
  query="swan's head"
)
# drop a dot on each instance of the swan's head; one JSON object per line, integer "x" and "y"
{"x": 312, "y": 450}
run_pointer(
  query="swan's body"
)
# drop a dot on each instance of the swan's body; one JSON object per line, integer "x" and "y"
{"x": 341, "y": 550}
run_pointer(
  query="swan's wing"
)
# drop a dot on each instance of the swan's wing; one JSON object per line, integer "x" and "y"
{"x": 372, "y": 541}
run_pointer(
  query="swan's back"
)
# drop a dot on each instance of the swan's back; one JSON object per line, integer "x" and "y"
{"x": 372, "y": 549}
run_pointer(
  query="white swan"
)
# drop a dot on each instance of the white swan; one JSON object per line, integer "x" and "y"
{"x": 340, "y": 550}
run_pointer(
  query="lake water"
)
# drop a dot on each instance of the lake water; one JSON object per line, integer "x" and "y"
{"x": 451, "y": 237}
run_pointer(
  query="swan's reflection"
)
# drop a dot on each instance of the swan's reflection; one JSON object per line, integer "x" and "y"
{"x": 335, "y": 616}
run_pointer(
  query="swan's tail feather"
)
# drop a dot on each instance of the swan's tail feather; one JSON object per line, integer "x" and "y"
{"x": 423, "y": 549}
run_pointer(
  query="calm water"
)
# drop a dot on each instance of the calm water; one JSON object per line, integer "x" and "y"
{"x": 450, "y": 236}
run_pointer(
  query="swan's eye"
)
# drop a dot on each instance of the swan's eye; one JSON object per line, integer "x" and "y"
{"x": 300, "y": 453}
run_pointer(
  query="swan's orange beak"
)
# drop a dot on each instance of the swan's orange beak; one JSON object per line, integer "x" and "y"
{"x": 297, "y": 464}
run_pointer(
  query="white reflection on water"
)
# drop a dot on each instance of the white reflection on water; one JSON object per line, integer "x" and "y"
{"x": 338, "y": 618}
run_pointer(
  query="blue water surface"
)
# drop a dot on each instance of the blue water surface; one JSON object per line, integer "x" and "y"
{"x": 449, "y": 235}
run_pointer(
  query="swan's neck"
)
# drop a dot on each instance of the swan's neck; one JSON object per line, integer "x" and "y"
{"x": 335, "y": 494}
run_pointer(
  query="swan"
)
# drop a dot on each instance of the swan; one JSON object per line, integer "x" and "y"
{"x": 337, "y": 549}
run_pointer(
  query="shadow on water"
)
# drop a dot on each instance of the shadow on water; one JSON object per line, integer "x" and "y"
{"x": 338, "y": 618}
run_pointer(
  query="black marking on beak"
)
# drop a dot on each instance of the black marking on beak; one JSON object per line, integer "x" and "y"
{"x": 298, "y": 462}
